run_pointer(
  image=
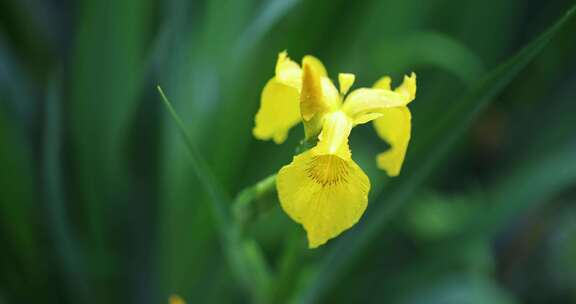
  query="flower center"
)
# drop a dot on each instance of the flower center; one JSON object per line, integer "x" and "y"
{"x": 328, "y": 170}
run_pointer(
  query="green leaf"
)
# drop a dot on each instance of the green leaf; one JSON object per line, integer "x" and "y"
{"x": 20, "y": 255}
{"x": 429, "y": 49}
{"x": 269, "y": 15}
{"x": 530, "y": 184}
{"x": 68, "y": 262}
{"x": 105, "y": 79}
{"x": 420, "y": 164}
{"x": 218, "y": 198}
{"x": 244, "y": 255}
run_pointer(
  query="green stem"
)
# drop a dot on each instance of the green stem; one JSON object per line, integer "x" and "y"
{"x": 255, "y": 200}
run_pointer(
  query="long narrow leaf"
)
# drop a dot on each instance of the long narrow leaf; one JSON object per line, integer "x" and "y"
{"x": 271, "y": 13}
{"x": 216, "y": 192}
{"x": 20, "y": 255}
{"x": 244, "y": 256}
{"x": 68, "y": 260}
{"x": 421, "y": 165}
{"x": 105, "y": 80}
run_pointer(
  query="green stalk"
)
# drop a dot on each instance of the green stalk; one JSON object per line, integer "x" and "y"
{"x": 255, "y": 200}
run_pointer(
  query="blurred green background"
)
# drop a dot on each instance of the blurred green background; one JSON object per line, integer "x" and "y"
{"x": 100, "y": 203}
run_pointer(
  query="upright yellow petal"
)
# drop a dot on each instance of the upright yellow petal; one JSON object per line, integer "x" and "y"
{"x": 327, "y": 194}
{"x": 394, "y": 126}
{"x": 330, "y": 94}
{"x": 316, "y": 64}
{"x": 317, "y": 98}
{"x": 311, "y": 97}
{"x": 318, "y": 94}
{"x": 346, "y": 80}
{"x": 279, "y": 111}
{"x": 330, "y": 97}
{"x": 288, "y": 72}
{"x": 408, "y": 87}
{"x": 383, "y": 83}
{"x": 334, "y": 136}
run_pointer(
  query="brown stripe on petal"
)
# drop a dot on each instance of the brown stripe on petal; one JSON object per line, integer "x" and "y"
{"x": 328, "y": 170}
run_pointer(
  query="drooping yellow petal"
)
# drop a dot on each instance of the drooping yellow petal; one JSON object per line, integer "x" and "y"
{"x": 382, "y": 83}
{"x": 363, "y": 105}
{"x": 325, "y": 193}
{"x": 279, "y": 111}
{"x": 346, "y": 80}
{"x": 364, "y": 101}
{"x": 394, "y": 126}
{"x": 367, "y": 118}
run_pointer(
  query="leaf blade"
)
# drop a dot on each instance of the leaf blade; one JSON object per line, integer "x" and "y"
{"x": 350, "y": 247}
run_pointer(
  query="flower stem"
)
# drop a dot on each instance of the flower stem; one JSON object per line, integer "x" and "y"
{"x": 255, "y": 200}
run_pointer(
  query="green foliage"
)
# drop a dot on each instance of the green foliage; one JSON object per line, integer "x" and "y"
{"x": 103, "y": 201}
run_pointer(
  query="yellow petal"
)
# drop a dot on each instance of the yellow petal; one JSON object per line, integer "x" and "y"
{"x": 288, "y": 72}
{"x": 383, "y": 83}
{"x": 345, "y": 80}
{"x": 174, "y": 299}
{"x": 367, "y": 118}
{"x": 317, "y": 98}
{"x": 311, "y": 97}
{"x": 330, "y": 94}
{"x": 408, "y": 87}
{"x": 325, "y": 193}
{"x": 279, "y": 111}
{"x": 334, "y": 136}
{"x": 366, "y": 101}
{"x": 316, "y": 64}
{"x": 394, "y": 127}
{"x": 331, "y": 99}
{"x": 318, "y": 94}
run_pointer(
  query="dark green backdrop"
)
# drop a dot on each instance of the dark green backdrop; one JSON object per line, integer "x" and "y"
{"x": 100, "y": 203}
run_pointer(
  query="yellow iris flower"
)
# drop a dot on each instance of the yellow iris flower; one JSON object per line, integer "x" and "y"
{"x": 175, "y": 299}
{"x": 323, "y": 188}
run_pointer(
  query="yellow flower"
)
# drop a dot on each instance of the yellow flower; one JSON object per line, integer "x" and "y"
{"x": 175, "y": 299}
{"x": 323, "y": 188}
{"x": 280, "y": 101}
